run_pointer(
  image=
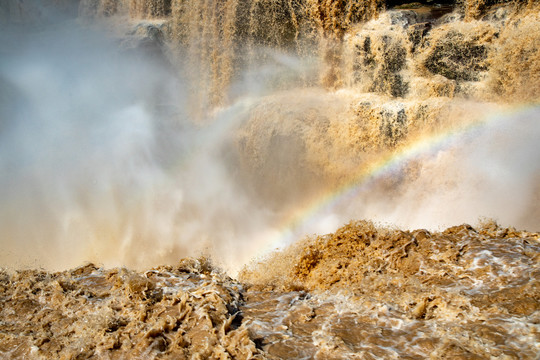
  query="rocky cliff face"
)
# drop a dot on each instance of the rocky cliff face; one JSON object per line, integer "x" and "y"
{"x": 358, "y": 46}
{"x": 404, "y": 75}
{"x": 334, "y": 87}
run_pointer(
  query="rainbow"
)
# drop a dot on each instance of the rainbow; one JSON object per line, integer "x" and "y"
{"x": 425, "y": 147}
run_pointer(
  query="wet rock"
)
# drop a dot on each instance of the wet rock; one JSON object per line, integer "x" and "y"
{"x": 393, "y": 126}
{"x": 380, "y": 55}
{"x": 452, "y": 17}
{"x": 417, "y": 33}
{"x": 457, "y": 58}
{"x": 404, "y": 18}
{"x": 151, "y": 32}
{"x": 148, "y": 38}
{"x": 381, "y": 58}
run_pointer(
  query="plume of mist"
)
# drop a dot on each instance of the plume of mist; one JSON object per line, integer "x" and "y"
{"x": 99, "y": 161}
{"x": 490, "y": 172}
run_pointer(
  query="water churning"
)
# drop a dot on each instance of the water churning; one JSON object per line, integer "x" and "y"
{"x": 204, "y": 138}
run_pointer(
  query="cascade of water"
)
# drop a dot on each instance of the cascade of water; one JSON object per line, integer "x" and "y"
{"x": 322, "y": 91}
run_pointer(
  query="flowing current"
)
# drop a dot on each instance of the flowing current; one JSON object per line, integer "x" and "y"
{"x": 204, "y": 138}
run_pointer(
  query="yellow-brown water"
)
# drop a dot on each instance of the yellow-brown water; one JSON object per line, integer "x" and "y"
{"x": 150, "y": 136}
{"x": 361, "y": 292}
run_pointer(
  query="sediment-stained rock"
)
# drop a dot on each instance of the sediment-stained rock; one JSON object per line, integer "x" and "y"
{"x": 380, "y": 55}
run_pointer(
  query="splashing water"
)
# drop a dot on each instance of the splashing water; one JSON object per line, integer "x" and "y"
{"x": 99, "y": 161}
{"x": 138, "y": 133}
{"x": 105, "y": 152}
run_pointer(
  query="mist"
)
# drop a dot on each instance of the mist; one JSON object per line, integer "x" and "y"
{"x": 490, "y": 172}
{"x": 245, "y": 179}
{"x": 99, "y": 160}
{"x": 103, "y": 159}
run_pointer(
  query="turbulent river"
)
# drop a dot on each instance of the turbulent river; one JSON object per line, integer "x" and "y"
{"x": 269, "y": 179}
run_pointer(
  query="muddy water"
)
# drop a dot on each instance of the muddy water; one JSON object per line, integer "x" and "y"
{"x": 201, "y": 126}
{"x": 360, "y": 293}
{"x": 178, "y": 312}
{"x": 376, "y": 293}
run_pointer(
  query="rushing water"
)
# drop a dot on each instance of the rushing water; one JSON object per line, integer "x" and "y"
{"x": 146, "y": 134}
{"x": 361, "y": 293}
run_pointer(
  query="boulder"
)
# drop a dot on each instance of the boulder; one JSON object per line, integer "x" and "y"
{"x": 457, "y": 58}
{"x": 458, "y": 50}
{"x": 380, "y": 51}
